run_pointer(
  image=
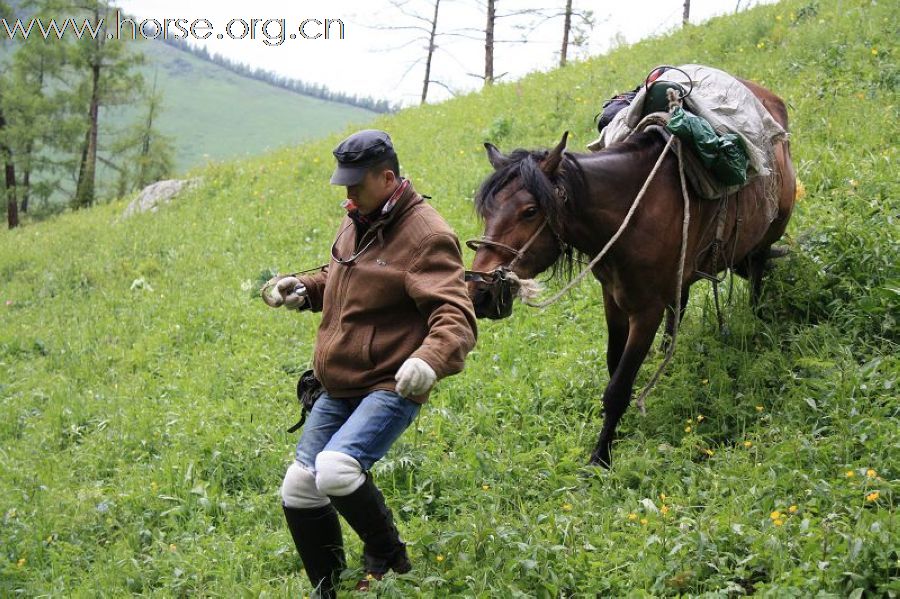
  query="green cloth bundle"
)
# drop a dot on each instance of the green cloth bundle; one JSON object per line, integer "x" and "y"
{"x": 723, "y": 155}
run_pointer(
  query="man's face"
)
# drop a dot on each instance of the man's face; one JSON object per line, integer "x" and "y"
{"x": 373, "y": 190}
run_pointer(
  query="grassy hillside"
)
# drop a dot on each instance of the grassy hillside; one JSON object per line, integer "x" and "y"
{"x": 146, "y": 394}
{"x": 214, "y": 114}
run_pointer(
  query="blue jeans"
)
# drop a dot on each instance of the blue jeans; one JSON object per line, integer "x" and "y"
{"x": 362, "y": 427}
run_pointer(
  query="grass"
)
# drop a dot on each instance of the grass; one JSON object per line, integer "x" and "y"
{"x": 143, "y": 443}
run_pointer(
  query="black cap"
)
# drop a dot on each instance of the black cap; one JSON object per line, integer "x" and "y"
{"x": 358, "y": 153}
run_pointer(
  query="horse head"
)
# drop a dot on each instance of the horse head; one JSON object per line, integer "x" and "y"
{"x": 520, "y": 204}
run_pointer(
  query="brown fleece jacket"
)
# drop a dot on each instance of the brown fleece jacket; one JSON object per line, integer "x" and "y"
{"x": 404, "y": 296}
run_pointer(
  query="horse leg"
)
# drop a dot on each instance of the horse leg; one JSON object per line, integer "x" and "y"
{"x": 756, "y": 267}
{"x": 641, "y": 330}
{"x": 670, "y": 319}
{"x": 617, "y": 331}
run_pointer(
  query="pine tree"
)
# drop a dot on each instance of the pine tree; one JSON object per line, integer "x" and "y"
{"x": 38, "y": 106}
{"x": 109, "y": 79}
{"x": 6, "y": 156}
{"x": 146, "y": 155}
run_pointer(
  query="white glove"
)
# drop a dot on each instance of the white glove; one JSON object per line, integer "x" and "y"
{"x": 415, "y": 377}
{"x": 288, "y": 292}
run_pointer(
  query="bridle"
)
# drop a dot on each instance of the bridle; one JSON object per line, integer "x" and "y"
{"x": 518, "y": 254}
{"x": 501, "y": 273}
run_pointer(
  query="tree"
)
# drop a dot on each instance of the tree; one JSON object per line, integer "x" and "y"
{"x": 686, "y": 15}
{"x": 431, "y": 49}
{"x": 577, "y": 25}
{"x": 6, "y": 157}
{"x": 9, "y": 169}
{"x": 38, "y": 106}
{"x": 426, "y": 29}
{"x": 490, "y": 39}
{"x": 567, "y": 26}
{"x": 109, "y": 80}
{"x": 146, "y": 155}
{"x": 489, "y": 43}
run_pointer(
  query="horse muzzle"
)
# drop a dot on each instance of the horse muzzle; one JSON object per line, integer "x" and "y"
{"x": 492, "y": 293}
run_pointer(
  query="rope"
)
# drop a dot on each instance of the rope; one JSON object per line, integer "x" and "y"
{"x": 670, "y": 351}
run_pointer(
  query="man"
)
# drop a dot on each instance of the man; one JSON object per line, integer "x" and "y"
{"x": 395, "y": 319}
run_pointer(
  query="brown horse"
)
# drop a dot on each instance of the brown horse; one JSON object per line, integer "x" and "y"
{"x": 540, "y": 207}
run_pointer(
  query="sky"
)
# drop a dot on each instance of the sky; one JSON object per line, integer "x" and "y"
{"x": 380, "y": 55}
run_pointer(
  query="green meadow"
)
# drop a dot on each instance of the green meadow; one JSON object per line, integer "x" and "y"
{"x": 145, "y": 389}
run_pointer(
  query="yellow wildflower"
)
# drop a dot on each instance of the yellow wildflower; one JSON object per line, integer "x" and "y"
{"x": 761, "y": 45}
{"x": 687, "y": 429}
{"x": 700, "y": 417}
{"x": 850, "y": 474}
{"x": 485, "y": 487}
{"x": 20, "y": 563}
{"x": 370, "y": 577}
{"x": 709, "y": 452}
{"x": 871, "y": 473}
{"x": 793, "y": 509}
{"x": 873, "y": 496}
{"x": 439, "y": 558}
{"x": 643, "y": 522}
{"x": 748, "y": 444}
{"x": 801, "y": 191}
{"x": 775, "y": 515}
{"x": 662, "y": 496}
{"x": 567, "y": 507}
{"x": 172, "y": 547}
{"x": 759, "y": 408}
{"x": 777, "y": 17}
{"x": 690, "y": 420}
{"x": 632, "y": 516}
{"x": 664, "y": 510}
{"x": 778, "y": 522}
{"x": 874, "y": 51}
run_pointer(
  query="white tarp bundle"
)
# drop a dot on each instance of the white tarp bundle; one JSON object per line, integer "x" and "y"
{"x": 728, "y": 105}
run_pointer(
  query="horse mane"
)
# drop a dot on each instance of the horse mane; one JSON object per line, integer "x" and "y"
{"x": 524, "y": 165}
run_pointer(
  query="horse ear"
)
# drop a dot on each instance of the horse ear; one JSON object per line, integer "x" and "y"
{"x": 550, "y": 164}
{"x": 494, "y": 156}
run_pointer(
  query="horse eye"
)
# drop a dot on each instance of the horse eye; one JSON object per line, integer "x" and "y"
{"x": 530, "y": 212}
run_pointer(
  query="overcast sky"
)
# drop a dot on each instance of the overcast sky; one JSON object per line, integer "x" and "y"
{"x": 373, "y": 60}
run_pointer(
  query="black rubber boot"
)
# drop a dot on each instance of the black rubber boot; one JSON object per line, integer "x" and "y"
{"x": 317, "y": 536}
{"x": 365, "y": 511}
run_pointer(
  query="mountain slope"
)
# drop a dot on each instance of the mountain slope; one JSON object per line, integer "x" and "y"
{"x": 213, "y": 113}
{"x": 146, "y": 391}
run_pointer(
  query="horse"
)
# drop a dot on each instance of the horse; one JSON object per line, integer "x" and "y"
{"x": 541, "y": 209}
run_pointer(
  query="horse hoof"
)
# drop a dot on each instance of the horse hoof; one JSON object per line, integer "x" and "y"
{"x": 598, "y": 462}
{"x": 776, "y": 252}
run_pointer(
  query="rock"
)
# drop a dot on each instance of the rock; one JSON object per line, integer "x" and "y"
{"x": 158, "y": 193}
